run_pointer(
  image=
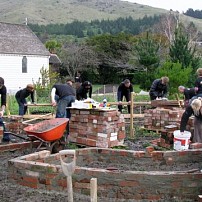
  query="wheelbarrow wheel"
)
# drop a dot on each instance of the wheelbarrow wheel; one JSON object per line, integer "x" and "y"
{"x": 57, "y": 146}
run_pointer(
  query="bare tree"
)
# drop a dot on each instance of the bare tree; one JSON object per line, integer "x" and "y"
{"x": 77, "y": 57}
{"x": 167, "y": 25}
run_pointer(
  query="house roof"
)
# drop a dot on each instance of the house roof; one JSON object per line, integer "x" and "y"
{"x": 54, "y": 59}
{"x": 19, "y": 39}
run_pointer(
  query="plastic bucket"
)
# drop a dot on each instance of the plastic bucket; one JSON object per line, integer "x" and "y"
{"x": 181, "y": 141}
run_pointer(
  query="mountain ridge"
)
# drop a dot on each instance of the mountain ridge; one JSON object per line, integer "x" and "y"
{"x": 45, "y": 12}
{"x": 65, "y": 11}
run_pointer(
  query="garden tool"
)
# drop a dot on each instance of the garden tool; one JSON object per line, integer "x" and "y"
{"x": 68, "y": 169}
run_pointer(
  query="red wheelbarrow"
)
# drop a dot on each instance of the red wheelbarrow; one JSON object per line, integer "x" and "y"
{"x": 48, "y": 132}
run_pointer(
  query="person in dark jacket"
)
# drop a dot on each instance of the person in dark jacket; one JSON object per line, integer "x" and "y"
{"x": 195, "y": 108}
{"x": 65, "y": 94}
{"x": 159, "y": 88}
{"x": 188, "y": 94}
{"x": 198, "y": 82}
{"x": 78, "y": 77}
{"x": 21, "y": 96}
{"x": 3, "y": 92}
{"x": 84, "y": 91}
{"x": 198, "y": 85}
{"x": 124, "y": 90}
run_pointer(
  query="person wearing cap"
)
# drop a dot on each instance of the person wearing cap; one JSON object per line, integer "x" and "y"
{"x": 159, "y": 88}
{"x": 84, "y": 91}
{"x": 3, "y": 92}
{"x": 188, "y": 94}
{"x": 195, "y": 108}
{"x": 21, "y": 96}
{"x": 124, "y": 90}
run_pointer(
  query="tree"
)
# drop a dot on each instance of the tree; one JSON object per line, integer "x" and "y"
{"x": 182, "y": 51}
{"x": 176, "y": 73}
{"x": 113, "y": 53}
{"x": 76, "y": 57}
{"x": 52, "y": 45}
{"x": 167, "y": 25}
{"x": 147, "y": 53}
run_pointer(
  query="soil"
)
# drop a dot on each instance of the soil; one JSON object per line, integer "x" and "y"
{"x": 10, "y": 192}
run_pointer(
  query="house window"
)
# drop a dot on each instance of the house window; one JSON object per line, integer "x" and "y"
{"x": 24, "y": 64}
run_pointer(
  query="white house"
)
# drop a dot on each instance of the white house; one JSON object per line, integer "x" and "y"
{"x": 22, "y": 55}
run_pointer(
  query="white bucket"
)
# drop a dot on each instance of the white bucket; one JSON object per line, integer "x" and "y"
{"x": 181, "y": 141}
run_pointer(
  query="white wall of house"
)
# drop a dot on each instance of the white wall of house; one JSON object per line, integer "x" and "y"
{"x": 11, "y": 70}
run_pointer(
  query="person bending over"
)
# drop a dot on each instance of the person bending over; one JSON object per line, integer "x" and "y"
{"x": 195, "y": 108}
{"x": 84, "y": 91}
{"x": 159, "y": 88}
{"x": 21, "y": 96}
{"x": 124, "y": 90}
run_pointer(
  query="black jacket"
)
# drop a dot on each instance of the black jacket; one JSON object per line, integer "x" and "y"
{"x": 24, "y": 93}
{"x": 158, "y": 89}
{"x": 3, "y": 92}
{"x": 82, "y": 92}
{"x": 123, "y": 90}
{"x": 189, "y": 93}
{"x": 185, "y": 117}
{"x": 198, "y": 84}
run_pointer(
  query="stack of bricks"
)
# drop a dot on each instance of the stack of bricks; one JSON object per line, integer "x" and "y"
{"x": 15, "y": 125}
{"x": 166, "y": 139}
{"x": 158, "y": 118}
{"x": 161, "y": 118}
{"x": 97, "y": 127}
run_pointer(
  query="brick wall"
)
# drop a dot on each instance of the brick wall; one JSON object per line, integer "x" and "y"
{"x": 149, "y": 178}
{"x": 160, "y": 117}
{"x": 14, "y": 124}
{"x": 97, "y": 128}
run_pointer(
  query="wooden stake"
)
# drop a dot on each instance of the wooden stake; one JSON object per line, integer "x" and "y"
{"x": 131, "y": 116}
{"x": 178, "y": 100}
{"x": 93, "y": 190}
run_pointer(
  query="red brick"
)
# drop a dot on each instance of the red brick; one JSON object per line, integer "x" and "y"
{"x": 62, "y": 182}
{"x": 81, "y": 140}
{"x": 196, "y": 145}
{"x": 91, "y": 142}
{"x": 121, "y": 135}
{"x": 28, "y": 184}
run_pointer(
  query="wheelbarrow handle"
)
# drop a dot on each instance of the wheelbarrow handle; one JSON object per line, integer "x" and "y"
{"x": 24, "y": 138}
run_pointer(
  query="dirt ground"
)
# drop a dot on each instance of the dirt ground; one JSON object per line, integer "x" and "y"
{"x": 10, "y": 192}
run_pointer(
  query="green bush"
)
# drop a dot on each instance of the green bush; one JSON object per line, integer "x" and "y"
{"x": 176, "y": 73}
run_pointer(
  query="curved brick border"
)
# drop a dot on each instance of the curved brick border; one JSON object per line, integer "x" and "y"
{"x": 42, "y": 170}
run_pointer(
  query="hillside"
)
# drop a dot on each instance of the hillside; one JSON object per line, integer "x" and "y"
{"x": 65, "y": 11}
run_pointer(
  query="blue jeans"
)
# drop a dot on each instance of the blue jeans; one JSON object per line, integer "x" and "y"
{"x": 62, "y": 104}
{"x": 22, "y": 107}
{"x": 62, "y": 110}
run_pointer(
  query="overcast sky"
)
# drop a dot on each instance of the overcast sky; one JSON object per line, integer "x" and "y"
{"x": 179, "y": 5}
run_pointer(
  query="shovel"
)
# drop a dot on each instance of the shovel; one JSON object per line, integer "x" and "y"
{"x": 68, "y": 169}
